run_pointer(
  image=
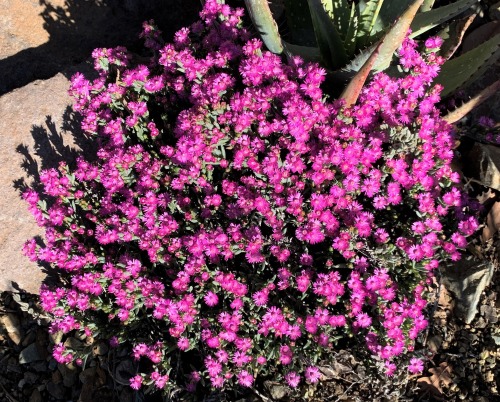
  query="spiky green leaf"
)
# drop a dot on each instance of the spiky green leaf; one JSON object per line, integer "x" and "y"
{"x": 329, "y": 41}
{"x": 310, "y": 54}
{"x": 299, "y": 22}
{"x": 462, "y": 70}
{"x": 263, "y": 20}
{"x": 340, "y": 13}
{"x": 352, "y": 91}
{"x": 430, "y": 19}
{"x": 427, "y": 5}
{"x": 359, "y": 60}
{"x": 392, "y": 10}
{"x": 369, "y": 22}
{"x": 395, "y": 36}
{"x": 452, "y": 35}
{"x": 481, "y": 97}
{"x": 352, "y": 32}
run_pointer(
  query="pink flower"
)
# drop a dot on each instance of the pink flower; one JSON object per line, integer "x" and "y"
{"x": 136, "y": 382}
{"x": 434, "y": 42}
{"x": 312, "y": 374}
{"x": 245, "y": 379}
{"x": 260, "y": 297}
{"x": 390, "y": 369}
{"x": 416, "y": 366}
{"x": 292, "y": 379}
{"x": 363, "y": 320}
{"x": 211, "y": 299}
{"x": 183, "y": 344}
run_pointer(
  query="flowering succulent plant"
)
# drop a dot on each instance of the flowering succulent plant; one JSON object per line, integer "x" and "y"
{"x": 236, "y": 223}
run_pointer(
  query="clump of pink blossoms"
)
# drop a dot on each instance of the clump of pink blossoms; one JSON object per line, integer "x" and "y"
{"x": 237, "y": 218}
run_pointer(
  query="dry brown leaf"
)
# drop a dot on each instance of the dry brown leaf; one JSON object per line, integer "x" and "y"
{"x": 440, "y": 378}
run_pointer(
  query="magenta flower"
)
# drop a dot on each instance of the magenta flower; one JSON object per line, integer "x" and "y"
{"x": 416, "y": 366}
{"x": 136, "y": 382}
{"x": 211, "y": 299}
{"x": 292, "y": 379}
{"x": 245, "y": 379}
{"x": 312, "y": 374}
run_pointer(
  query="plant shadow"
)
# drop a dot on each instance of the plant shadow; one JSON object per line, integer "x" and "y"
{"x": 79, "y": 26}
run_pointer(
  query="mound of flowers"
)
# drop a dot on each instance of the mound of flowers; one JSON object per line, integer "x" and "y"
{"x": 236, "y": 223}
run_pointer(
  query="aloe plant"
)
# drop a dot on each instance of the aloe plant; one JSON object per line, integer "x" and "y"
{"x": 348, "y": 33}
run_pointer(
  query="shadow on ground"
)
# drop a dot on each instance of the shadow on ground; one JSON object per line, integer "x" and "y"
{"x": 79, "y": 26}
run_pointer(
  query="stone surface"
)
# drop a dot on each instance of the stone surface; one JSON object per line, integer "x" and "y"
{"x": 467, "y": 279}
{"x": 69, "y": 374}
{"x": 483, "y": 165}
{"x": 30, "y": 354}
{"x": 56, "y": 390}
{"x": 276, "y": 390}
{"x": 39, "y": 38}
{"x": 51, "y": 40}
{"x": 31, "y": 138}
{"x": 13, "y": 327}
{"x": 36, "y": 396}
{"x": 124, "y": 371}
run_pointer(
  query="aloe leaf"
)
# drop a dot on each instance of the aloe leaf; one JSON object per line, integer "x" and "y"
{"x": 427, "y": 5}
{"x": 463, "y": 69}
{"x": 310, "y": 54}
{"x": 395, "y": 36}
{"x": 340, "y": 13}
{"x": 392, "y": 10}
{"x": 368, "y": 20}
{"x": 352, "y": 32}
{"x": 479, "y": 35}
{"x": 299, "y": 22}
{"x": 263, "y": 20}
{"x": 484, "y": 95}
{"x": 453, "y": 34}
{"x": 352, "y": 91}
{"x": 359, "y": 60}
{"x": 329, "y": 41}
{"x": 430, "y": 19}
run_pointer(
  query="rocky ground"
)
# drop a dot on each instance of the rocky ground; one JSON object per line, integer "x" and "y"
{"x": 462, "y": 360}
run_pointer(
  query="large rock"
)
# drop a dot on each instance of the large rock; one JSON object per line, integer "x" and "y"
{"x": 31, "y": 138}
{"x": 22, "y": 25}
{"x": 467, "y": 279}
{"x": 39, "y": 38}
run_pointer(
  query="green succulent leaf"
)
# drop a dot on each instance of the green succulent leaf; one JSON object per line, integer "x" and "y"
{"x": 432, "y": 18}
{"x": 392, "y": 10}
{"x": 340, "y": 13}
{"x": 310, "y": 54}
{"x": 395, "y": 36}
{"x": 427, "y": 5}
{"x": 352, "y": 32}
{"x": 263, "y": 20}
{"x": 369, "y": 20}
{"x": 389, "y": 43}
{"x": 329, "y": 40}
{"x": 467, "y": 107}
{"x": 464, "y": 69}
{"x": 452, "y": 35}
{"x": 353, "y": 89}
{"x": 299, "y": 22}
{"x": 359, "y": 60}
